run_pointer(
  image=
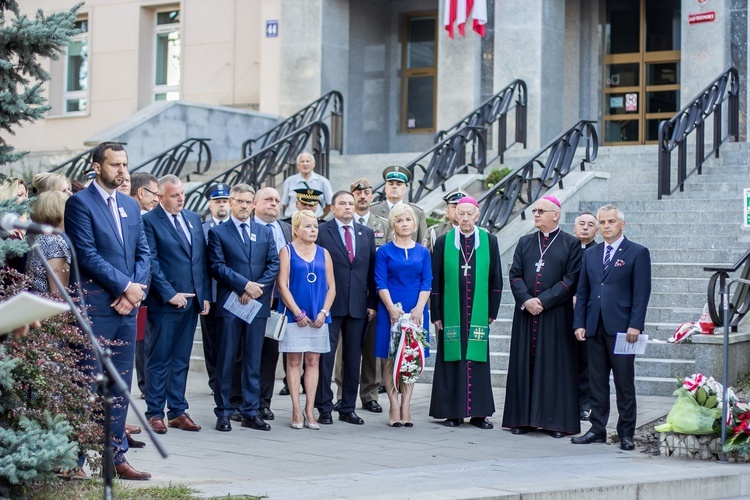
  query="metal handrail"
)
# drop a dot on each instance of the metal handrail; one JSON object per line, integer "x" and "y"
{"x": 173, "y": 160}
{"x": 271, "y": 165}
{"x": 496, "y": 109}
{"x": 673, "y": 133}
{"x": 740, "y": 304}
{"x": 313, "y": 112}
{"x": 443, "y": 160}
{"x": 521, "y": 188}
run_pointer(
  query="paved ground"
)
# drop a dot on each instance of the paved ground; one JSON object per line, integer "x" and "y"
{"x": 426, "y": 461}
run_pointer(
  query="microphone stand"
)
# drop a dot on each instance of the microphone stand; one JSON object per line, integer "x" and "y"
{"x": 109, "y": 380}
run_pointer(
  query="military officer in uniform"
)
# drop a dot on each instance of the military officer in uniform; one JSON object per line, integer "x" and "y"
{"x": 397, "y": 179}
{"x": 307, "y": 199}
{"x": 218, "y": 205}
{"x": 451, "y": 221}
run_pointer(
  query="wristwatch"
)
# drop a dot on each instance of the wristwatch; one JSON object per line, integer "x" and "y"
{"x": 326, "y": 312}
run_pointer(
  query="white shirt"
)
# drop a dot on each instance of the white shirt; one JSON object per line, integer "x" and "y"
{"x": 237, "y": 224}
{"x": 351, "y": 231}
{"x": 183, "y": 224}
{"x": 278, "y": 234}
{"x": 365, "y": 218}
{"x": 106, "y": 196}
{"x": 615, "y": 245}
{"x": 288, "y": 196}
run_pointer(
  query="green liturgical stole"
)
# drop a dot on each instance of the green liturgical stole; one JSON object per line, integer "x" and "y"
{"x": 479, "y": 325}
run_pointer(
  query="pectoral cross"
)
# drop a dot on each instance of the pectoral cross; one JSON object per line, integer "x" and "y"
{"x": 539, "y": 265}
{"x": 466, "y": 268}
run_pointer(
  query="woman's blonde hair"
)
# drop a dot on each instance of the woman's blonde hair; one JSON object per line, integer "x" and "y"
{"x": 9, "y": 188}
{"x": 401, "y": 209}
{"x": 49, "y": 208}
{"x": 297, "y": 219}
{"x": 48, "y": 181}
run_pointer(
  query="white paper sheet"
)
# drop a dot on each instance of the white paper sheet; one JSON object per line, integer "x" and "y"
{"x": 622, "y": 346}
{"x": 247, "y": 312}
{"x": 25, "y": 308}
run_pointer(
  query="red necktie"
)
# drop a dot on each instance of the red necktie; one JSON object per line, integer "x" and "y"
{"x": 349, "y": 245}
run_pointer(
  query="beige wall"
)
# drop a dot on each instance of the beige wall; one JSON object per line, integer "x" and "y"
{"x": 223, "y": 53}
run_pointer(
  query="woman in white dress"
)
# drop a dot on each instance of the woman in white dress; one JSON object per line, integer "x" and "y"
{"x": 307, "y": 289}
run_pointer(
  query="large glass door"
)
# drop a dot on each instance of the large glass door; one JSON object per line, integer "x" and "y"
{"x": 641, "y": 68}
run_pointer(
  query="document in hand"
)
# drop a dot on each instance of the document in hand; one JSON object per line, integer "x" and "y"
{"x": 25, "y": 308}
{"x": 247, "y": 312}
{"x": 622, "y": 346}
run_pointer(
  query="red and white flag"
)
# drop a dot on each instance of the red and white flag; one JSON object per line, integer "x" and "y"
{"x": 458, "y": 12}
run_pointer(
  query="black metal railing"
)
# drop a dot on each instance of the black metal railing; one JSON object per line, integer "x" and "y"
{"x": 739, "y": 304}
{"x": 674, "y": 133}
{"x": 496, "y": 110}
{"x": 313, "y": 112}
{"x": 522, "y": 187}
{"x": 442, "y": 161}
{"x": 272, "y": 164}
{"x": 173, "y": 160}
{"x": 76, "y": 167}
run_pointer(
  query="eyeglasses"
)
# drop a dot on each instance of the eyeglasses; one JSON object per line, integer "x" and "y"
{"x": 539, "y": 211}
{"x": 149, "y": 191}
{"x": 242, "y": 202}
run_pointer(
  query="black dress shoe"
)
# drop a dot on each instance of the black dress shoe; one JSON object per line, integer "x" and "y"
{"x": 583, "y": 415}
{"x": 325, "y": 418}
{"x": 223, "y": 424}
{"x": 337, "y": 405}
{"x": 284, "y": 391}
{"x": 351, "y": 418}
{"x": 381, "y": 389}
{"x": 520, "y": 430}
{"x": 373, "y": 406}
{"x": 481, "y": 422}
{"x": 266, "y": 414}
{"x": 557, "y": 434}
{"x": 627, "y": 444}
{"x": 452, "y": 422}
{"x": 255, "y": 422}
{"x": 236, "y": 416}
{"x": 589, "y": 438}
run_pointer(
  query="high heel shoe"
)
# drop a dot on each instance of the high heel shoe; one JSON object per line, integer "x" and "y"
{"x": 297, "y": 425}
{"x": 395, "y": 423}
{"x": 310, "y": 425}
{"x": 408, "y": 423}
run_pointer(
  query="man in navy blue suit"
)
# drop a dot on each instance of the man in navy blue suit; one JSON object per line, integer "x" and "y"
{"x": 180, "y": 291}
{"x": 244, "y": 261}
{"x": 352, "y": 249}
{"x": 106, "y": 231}
{"x": 613, "y": 293}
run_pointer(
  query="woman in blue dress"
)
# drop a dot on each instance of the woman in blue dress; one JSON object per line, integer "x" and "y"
{"x": 307, "y": 289}
{"x": 403, "y": 275}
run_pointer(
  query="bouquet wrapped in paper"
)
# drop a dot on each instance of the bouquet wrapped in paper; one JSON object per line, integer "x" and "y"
{"x": 406, "y": 351}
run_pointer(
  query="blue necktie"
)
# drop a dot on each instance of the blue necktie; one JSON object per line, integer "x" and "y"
{"x": 245, "y": 235}
{"x": 180, "y": 231}
{"x": 607, "y": 256}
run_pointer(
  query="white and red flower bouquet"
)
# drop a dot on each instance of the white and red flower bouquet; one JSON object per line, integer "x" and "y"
{"x": 406, "y": 353}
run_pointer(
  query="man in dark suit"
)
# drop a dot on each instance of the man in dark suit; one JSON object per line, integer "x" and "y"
{"x": 613, "y": 293}
{"x": 218, "y": 205}
{"x": 179, "y": 293}
{"x": 106, "y": 231}
{"x": 244, "y": 261}
{"x": 352, "y": 249}
{"x": 267, "y": 210}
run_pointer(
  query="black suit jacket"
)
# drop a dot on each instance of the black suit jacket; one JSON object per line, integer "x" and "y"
{"x": 355, "y": 281}
{"x": 620, "y": 294}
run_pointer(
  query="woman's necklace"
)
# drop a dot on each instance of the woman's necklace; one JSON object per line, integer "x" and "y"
{"x": 540, "y": 263}
{"x": 311, "y": 276}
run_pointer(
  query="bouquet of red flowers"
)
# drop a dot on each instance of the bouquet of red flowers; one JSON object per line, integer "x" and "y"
{"x": 407, "y": 351}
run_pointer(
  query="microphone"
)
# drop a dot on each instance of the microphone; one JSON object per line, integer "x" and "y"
{"x": 11, "y": 221}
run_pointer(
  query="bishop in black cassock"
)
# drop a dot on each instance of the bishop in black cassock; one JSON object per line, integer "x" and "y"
{"x": 542, "y": 386}
{"x": 462, "y": 387}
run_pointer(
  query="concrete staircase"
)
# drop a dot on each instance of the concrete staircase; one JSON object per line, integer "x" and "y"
{"x": 684, "y": 232}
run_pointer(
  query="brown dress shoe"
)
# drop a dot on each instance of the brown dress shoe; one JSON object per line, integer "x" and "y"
{"x": 157, "y": 424}
{"x": 133, "y": 429}
{"x": 185, "y": 423}
{"x": 126, "y": 471}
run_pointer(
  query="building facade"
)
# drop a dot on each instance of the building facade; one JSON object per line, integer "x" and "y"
{"x": 624, "y": 63}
